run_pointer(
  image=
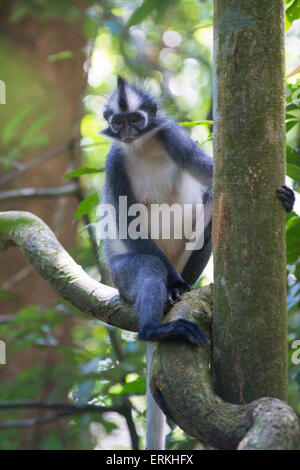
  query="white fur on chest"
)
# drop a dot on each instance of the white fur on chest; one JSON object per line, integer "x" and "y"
{"x": 151, "y": 172}
{"x": 156, "y": 179}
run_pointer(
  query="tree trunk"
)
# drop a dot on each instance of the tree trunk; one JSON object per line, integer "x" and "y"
{"x": 249, "y": 328}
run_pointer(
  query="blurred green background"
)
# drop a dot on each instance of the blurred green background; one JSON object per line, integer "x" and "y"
{"x": 59, "y": 61}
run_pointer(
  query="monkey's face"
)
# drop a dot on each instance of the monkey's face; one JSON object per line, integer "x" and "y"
{"x": 127, "y": 127}
{"x": 130, "y": 113}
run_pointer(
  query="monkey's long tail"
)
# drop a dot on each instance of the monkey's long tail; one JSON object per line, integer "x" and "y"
{"x": 156, "y": 421}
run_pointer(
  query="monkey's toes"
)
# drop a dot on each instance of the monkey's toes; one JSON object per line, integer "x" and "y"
{"x": 286, "y": 196}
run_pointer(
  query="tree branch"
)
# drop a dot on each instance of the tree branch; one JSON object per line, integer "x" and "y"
{"x": 40, "y": 246}
{"x": 183, "y": 375}
{"x": 65, "y": 410}
{"x": 59, "y": 406}
{"x": 180, "y": 372}
{"x": 35, "y": 161}
{"x": 28, "y": 193}
{"x": 31, "y": 422}
{"x": 23, "y": 168}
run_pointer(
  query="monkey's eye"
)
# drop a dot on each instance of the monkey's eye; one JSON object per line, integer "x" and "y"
{"x": 136, "y": 118}
{"x": 118, "y": 121}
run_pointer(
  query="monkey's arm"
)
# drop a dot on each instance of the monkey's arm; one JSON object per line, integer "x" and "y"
{"x": 117, "y": 184}
{"x": 186, "y": 153}
{"x": 189, "y": 156}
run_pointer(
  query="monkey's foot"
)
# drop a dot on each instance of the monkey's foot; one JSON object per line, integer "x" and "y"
{"x": 286, "y": 196}
{"x": 176, "y": 330}
{"x": 176, "y": 289}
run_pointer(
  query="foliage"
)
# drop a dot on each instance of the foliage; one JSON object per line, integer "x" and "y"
{"x": 169, "y": 42}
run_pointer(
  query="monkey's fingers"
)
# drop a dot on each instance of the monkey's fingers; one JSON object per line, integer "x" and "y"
{"x": 286, "y": 196}
{"x": 170, "y": 299}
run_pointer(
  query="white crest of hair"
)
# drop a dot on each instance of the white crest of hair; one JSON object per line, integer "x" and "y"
{"x": 132, "y": 98}
{"x": 145, "y": 116}
{"x": 114, "y": 103}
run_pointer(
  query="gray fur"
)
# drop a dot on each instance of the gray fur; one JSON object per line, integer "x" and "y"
{"x": 147, "y": 160}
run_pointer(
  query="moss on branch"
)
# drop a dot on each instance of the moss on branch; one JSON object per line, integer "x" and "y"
{"x": 179, "y": 371}
{"x": 183, "y": 377}
{"x": 42, "y": 249}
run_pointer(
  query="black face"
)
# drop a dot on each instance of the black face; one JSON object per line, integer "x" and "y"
{"x": 128, "y": 126}
{"x": 125, "y": 124}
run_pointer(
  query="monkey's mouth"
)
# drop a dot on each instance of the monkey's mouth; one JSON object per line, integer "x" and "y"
{"x": 128, "y": 140}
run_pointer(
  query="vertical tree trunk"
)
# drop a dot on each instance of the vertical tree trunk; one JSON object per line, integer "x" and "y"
{"x": 250, "y": 352}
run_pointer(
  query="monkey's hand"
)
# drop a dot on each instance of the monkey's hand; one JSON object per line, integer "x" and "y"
{"x": 287, "y": 197}
{"x": 176, "y": 330}
{"x": 175, "y": 289}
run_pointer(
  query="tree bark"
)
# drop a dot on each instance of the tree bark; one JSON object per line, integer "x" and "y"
{"x": 180, "y": 372}
{"x": 249, "y": 328}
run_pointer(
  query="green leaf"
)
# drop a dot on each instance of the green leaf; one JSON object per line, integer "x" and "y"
{"x": 196, "y": 123}
{"x": 292, "y": 156}
{"x": 84, "y": 392}
{"x": 291, "y": 123}
{"x": 60, "y": 56}
{"x": 18, "y": 13}
{"x": 293, "y": 171}
{"x": 136, "y": 387}
{"x": 11, "y": 126}
{"x": 293, "y": 11}
{"x": 6, "y": 295}
{"x": 293, "y": 105}
{"x": 141, "y": 13}
{"x": 87, "y": 205}
{"x": 83, "y": 171}
{"x": 297, "y": 271}
{"x": 108, "y": 425}
{"x": 292, "y": 241}
{"x": 290, "y": 116}
{"x": 292, "y": 222}
{"x": 53, "y": 442}
{"x": 90, "y": 26}
{"x": 30, "y": 138}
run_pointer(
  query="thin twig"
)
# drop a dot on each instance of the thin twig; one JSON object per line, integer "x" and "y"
{"x": 31, "y": 422}
{"x": 17, "y": 277}
{"x": 29, "y": 193}
{"x": 35, "y": 161}
{"x": 67, "y": 410}
{"x": 43, "y": 158}
{"x": 70, "y": 408}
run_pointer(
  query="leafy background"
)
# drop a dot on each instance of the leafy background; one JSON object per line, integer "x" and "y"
{"x": 168, "y": 47}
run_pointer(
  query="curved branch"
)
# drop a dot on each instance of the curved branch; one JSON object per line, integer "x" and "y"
{"x": 180, "y": 372}
{"x": 183, "y": 375}
{"x": 40, "y": 246}
{"x": 27, "y": 193}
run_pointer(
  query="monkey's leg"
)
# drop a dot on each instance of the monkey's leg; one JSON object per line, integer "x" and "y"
{"x": 198, "y": 259}
{"x": 142, "y": 279}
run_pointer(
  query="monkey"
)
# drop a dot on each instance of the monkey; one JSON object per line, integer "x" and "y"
{"x": 153, "y": 161}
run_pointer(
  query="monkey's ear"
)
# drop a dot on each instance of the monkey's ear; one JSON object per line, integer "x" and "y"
{"x": 107, "y": 132}
{"x": 153, "y": 110}
{"x": 106, "y": 115}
